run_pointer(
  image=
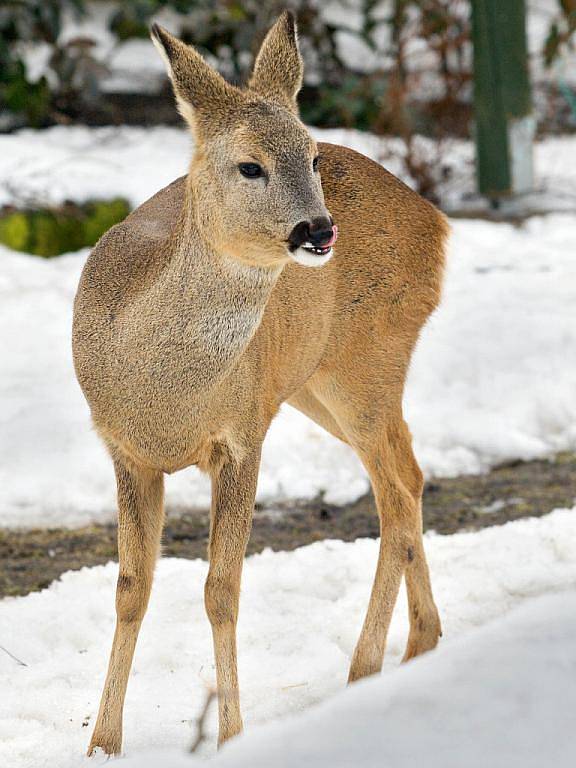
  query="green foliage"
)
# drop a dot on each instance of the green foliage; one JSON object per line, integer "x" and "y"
{"x": 21, "y": 96}
{"x": 72, "y": 77}
{"x": 15, "y": 231}
{"x": 228, "y": 30}
{"x": 355, "y": 104}
{"x": 52, "y": 232}
{"x": 102, "y": 215}
{"x": 131, "y": 18}
{"x": 561, "y": 32}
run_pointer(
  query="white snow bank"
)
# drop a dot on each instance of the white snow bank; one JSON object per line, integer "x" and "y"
{"x": 494, "y": 375}
{"x": 504, "y": 698}
{"x": 79, "y": 163}
{"x": 300, "y": 616}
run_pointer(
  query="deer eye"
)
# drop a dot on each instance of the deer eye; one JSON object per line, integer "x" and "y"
{"x": 315, "y": 163}
{"x": 251, "y": 170}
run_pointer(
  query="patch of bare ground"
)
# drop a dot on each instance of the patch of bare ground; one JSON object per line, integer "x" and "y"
{"x": 31, "y": 559}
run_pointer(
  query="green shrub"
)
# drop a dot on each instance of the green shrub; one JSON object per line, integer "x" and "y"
{"x": 102, "y": 215}
{"x": 46, "y": 239}
{"x": 36, "y": 21}
{"x": 15, "y": 231}
{"x": 52, "y": 232}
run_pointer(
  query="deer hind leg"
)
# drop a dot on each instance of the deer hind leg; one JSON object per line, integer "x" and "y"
{"x": 140, "y": 521}
{"x": 233, "y": 494}
{"x": 374, "y": 428}
{"x": 307, "y": 403}
{"x": 425, "y": 628}
{"x": 398, "y": 541}
{"x": 397, "y": 484}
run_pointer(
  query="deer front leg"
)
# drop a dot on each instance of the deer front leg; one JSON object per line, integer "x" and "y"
{"x": 140, "y": 521}
{"x": 233, "y": 493}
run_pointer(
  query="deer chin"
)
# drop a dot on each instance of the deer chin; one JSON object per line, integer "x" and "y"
{"x": 309, "y": 256}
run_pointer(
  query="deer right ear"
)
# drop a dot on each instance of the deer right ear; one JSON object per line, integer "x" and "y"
{"x": 201, "y": 93}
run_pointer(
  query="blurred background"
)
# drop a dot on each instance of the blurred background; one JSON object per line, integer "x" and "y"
{"x": 402, "y": 68}
{"x": 473, "y": 104}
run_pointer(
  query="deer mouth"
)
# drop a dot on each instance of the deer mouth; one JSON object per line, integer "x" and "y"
{"x": 317, "y": 250}
{"x": 312, "y": 257}
{"x": 315, "y": 254}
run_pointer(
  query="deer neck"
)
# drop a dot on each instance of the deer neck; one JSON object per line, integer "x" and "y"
{"x": 224, "y": 300}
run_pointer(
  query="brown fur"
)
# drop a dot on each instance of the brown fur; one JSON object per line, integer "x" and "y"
{"x": 192, "y": 325}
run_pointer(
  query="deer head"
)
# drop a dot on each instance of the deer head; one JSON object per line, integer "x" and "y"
{"x": 255, "y": 177}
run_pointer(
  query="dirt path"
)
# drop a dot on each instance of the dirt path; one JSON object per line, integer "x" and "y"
{"x": 30, "y": 560}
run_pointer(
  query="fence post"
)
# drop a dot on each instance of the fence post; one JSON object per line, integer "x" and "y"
{"x": 502, "y": 100}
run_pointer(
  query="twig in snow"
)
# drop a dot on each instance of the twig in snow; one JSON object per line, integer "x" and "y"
{"x": 200, "y": 722}
{"x": 17, "y": 660}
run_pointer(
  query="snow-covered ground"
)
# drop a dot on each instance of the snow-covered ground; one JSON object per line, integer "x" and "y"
{"x": 500, "y": 694}
{"x": 493, "y": 378}
{"x": 503, "y": 698}
{"x": 80, "y": 163}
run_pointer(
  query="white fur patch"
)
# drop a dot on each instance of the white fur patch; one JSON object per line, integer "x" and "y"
{"x": 163, "y": 55}
{"x": 307, "y": 259}
{"x": 184, "y": 108}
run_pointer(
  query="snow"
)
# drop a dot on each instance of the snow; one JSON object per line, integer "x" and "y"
{"x": 504, "y": 697}
{"x": 540, "y": 15}
{"x": 80, "y": 163}
{"x": 493, "y": 378}
{"x": 498, "y": 689}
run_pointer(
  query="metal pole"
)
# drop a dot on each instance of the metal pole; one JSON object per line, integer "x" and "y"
{"x": 502, "y": 99}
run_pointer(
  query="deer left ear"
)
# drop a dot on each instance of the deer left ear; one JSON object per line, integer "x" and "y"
{"x": 278, "y": 70}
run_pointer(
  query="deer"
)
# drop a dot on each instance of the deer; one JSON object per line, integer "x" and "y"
{"x": 278, "y": 270}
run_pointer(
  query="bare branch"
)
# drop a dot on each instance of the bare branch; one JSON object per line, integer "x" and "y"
{"x": 201, "y": 721}
{"x": 17, "y": 660}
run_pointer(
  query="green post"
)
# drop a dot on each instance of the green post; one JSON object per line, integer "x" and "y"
{"x": 502, "y": 100}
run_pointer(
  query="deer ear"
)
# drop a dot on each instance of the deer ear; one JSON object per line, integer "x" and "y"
{"x": 278, "y": 70}
{"x": 202, "y": 95}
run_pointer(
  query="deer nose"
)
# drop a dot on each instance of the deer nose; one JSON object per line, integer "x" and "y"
{"x": 318, "y": 232}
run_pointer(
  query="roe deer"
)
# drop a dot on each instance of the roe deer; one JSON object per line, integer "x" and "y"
{"x": 206, "y": 309}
